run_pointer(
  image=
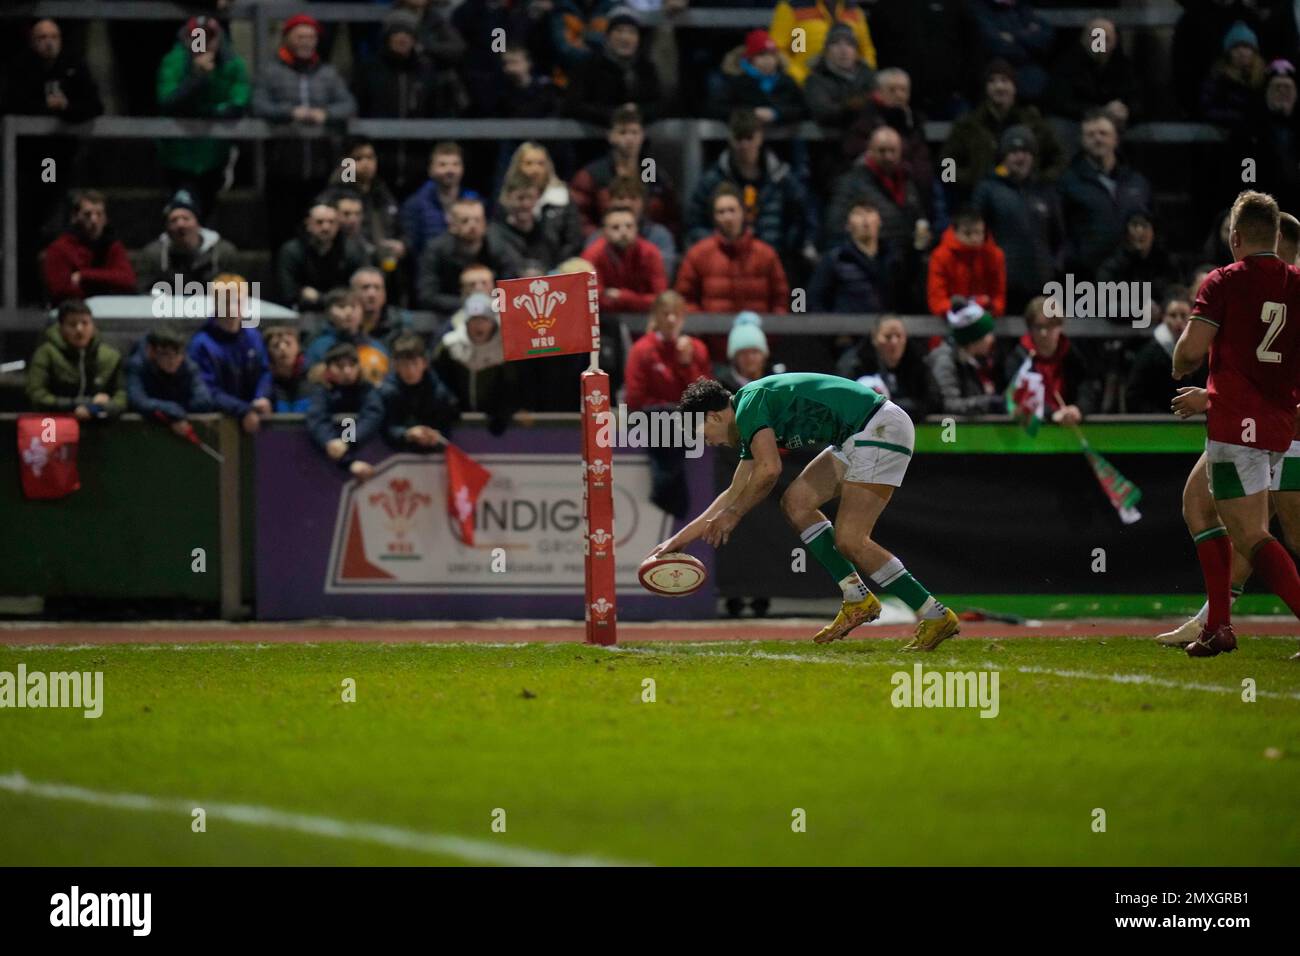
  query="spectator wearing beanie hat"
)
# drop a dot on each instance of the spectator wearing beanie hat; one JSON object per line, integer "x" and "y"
{"x": 838, "y": 88}
{"x": 752, "y": 77}
{"x": 296, "y": 87}
{"x": 747, "y": 353}
{"x": 962, "y": 366}
{"x": 1024, "y": 214}
{"x": 819, "y": 22}
{"x": 1231, "y": 91}
{"x": 184, "y": 251}
{"x": 208, "y": 83}
{"x": 973, "y": 142}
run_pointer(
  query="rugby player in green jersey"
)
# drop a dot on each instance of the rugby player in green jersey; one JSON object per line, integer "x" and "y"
{"x": 867, "y": 443}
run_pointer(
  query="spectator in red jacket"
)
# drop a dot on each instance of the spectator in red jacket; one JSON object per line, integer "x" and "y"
{"x": 731, "y": 270}
{"x": 630, "y": 269}
{"x": 664, "y": 360}
{"x": 87, "y": 259}
{"x": 967, "y": 263}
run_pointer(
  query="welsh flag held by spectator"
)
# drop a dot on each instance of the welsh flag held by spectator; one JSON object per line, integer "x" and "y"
{"x": 466, "y": 480}
{"x": 1026, "y": 400}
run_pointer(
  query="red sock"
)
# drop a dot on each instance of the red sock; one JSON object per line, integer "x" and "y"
{"x": 1215, "y": 555}
{"x": 1276, "y": 569}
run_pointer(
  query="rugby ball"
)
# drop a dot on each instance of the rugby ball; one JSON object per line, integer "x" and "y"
{"x": 672, "y": 574}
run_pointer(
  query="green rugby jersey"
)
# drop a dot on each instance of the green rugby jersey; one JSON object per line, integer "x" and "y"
{"x": 803, "y": 409}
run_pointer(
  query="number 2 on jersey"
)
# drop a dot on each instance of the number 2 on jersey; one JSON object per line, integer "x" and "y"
{"x": 1274, "y": 313}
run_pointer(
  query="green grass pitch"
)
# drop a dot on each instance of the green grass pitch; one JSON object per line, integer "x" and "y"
{"x": 711, "y": 772}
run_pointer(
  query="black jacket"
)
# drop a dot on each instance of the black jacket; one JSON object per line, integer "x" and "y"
{"x": 603, "y": 83}
{"x": 846, "y": 280}
{"x": 299, "y": 265}
{"x": 24, "y": 92}
{"x": 908, "y": 383}
{"x": 361, "y": 400}
{"x": 428, "y": 402}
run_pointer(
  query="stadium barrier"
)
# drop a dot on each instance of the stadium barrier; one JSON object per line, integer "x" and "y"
{"x": 683, "y": 140}
{"x": 285, "y": 536}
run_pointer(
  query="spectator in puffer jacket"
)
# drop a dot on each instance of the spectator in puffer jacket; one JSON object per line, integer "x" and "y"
{"x": 72, "y": 370}
{"x": 822, "y": 25}
{"x": 778, "y": 207}
{"x": 664, "y": 360}
{"x": 470, "y": 361}
{"x": 295, "y": 86}
{"x": 344, "y": 392}
{"x": 886, "y": 361}
{"x": 185, "y": 248}
{"x": 232, "y": 359}
{"x": 732, "y": 270}
{"x": 88, "y": 259}
{"x": 969, "y": 264}
{"x": 630, "y": 269}
{"x": 965, "y": 379}
{"x": 163, "y": 384}
{"x": 1098, "y": 194}
{"x": 424, "y": 213}
{"x": 861, "y": 274}
{"x": 201, "y": 77}
{"x": 1069, "y": 391}
{"x": 418, "y": 408}
{"x": 1024, "y": 215}
{"x": 752, "y": 77}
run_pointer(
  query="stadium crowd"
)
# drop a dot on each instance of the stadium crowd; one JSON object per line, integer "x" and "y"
{"x": 1033, "y": 183}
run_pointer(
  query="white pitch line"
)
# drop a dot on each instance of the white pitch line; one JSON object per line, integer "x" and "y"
{"x": 987, "y": 665}
{"x": 462, "y": 848}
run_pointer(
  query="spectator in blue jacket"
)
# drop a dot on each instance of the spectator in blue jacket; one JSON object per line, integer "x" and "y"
{"x": 345, "y": 392}
{"x": 1011, "y": 30}
{"x": 418, "y": 407}
{"x": 290, "y": 388}
{"x": 425, "y": 212}
{"x": 162, "y": 383}
{"x": 232, "y": 359}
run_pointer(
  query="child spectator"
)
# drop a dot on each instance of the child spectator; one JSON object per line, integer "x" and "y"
{"x": 418, "y": 407}
{"x": 470, "y": 361}
{"x": 345, "y": 392}
{"x": 731, "y": 270}
{"x": 1151, "y": 386}
{"x": 424, "y": 214}
{"x": 184, "y": 248}
{"x": 886, "y": 361}
{"x": 318, "y": 259}
{"x": 664, "y": 360}
{"x": 343, "y": 309}
{"x": 967, "y": 263}
{"x": 752, "y": 77}
{"x": 88, "y": 259}
{"x": 73, "y": 370}
{"x": 630, "y": 269}
{"x": 862, "y": 274}
{"x": 1069, "y": 392}
{"x": 164, "y": 384}
{"x": 201, "y": 77}
{"x": 965, "y": 380}
{"x": 290, "y": 388}
{"x": 232, "y": 359}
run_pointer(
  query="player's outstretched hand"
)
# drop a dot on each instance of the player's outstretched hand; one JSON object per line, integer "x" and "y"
{"x": 1190, "y": 401}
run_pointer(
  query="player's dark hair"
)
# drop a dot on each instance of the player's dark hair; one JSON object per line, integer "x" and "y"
{"x": 704, "y": 395}
{"x": 1255, "y": 217}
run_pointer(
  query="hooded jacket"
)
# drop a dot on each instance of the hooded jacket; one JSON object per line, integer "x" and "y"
{"x": 718, "y": 275}
{"x": 360, "y": 400}
{"x": 477, "y": 373}
{"x": 104, "y": 266}
{"x": 161, "y": 261}
{"x": 784, "y": 214}
{"x": 234, "y": 367}
{"x": 740, "y": 86}
{"x": 151, "y": 391}
{"x": 62, "y": 377}
{"x": 978, "y": 273}
{"x": 184, "y": 91}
